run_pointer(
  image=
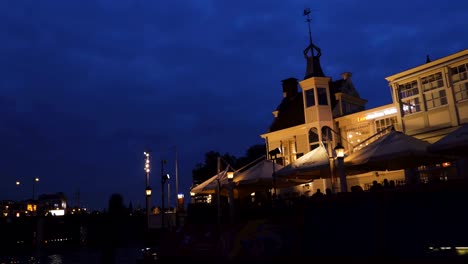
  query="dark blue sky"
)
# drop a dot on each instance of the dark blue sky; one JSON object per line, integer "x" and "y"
{"x": 86, "y": 86}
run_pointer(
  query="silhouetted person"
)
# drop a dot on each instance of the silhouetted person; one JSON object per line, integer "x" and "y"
{"x": 375, "y": 186}
{"x": 386, "y": 184}
{"x": 318, "y": 193}
{"x": 391, "y": 185}
{"x": 328, "y": 191}
{"x": 112, "y": 228}
{"x": 356, "y": 188}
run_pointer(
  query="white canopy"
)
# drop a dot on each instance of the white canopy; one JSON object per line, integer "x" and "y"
{"x": 454, "y": 143}
{"x": 209, "y": 186}
{"x": 312, "y": 165}
{"x": 392, "y": 151}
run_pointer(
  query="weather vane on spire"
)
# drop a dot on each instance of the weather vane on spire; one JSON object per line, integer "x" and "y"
{"x": 308, "y": 20}
{"x": 313, "y": 65}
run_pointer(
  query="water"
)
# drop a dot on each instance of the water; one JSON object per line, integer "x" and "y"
{"x": 75, "y": 256}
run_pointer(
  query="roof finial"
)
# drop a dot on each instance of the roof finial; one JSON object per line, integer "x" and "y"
{"x": 428, "y": 59}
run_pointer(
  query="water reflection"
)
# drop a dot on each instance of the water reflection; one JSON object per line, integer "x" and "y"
{"x": 55, "y": 259}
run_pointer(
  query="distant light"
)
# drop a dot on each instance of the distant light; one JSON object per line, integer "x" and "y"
{"x": 36, "y": 179}
{"x": 192, "y": 194}
{"x": 59, "y": 212}
{"x": 18, "y": 183}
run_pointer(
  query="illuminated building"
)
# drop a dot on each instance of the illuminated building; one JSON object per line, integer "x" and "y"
{"x": 429, "y": 101}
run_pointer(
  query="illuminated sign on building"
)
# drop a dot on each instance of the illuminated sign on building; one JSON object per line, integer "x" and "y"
{"x": 374, "y": 115}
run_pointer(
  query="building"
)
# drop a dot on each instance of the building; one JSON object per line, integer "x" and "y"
{"x": 432, "y": 100}
{"x": 429, "y": 101}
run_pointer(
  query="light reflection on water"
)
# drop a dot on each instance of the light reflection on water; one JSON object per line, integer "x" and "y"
{"x": 55, "y": 259}
{"x": 75, "y": 256}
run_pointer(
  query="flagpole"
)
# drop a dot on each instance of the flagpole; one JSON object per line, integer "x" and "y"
{"x": 176, "y": 175}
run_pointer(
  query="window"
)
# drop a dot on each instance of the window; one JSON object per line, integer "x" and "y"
{"x": 322, "y": 96}
{"x": 408, "y": 89}
{"x": 289, "y": 151}
{"x": 432, "y": 82}
{"x": 384, "y": 123}
{"x": 459, "y": 73}
{"x": 313, "y": 138}
{"x": 460, "y": 82}
{"x": 435, "y": 99}
{"x": 409, "y": 96}
{"x": 310, "y": 98}
{"x": 461, "y": 91}
{"x": 411, "y": 106}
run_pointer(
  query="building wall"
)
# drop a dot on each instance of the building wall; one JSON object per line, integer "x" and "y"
{"x": 356, "y": 129}
{"x": 433, "y": 96}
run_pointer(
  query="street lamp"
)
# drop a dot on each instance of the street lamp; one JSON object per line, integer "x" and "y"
{"x": 230, "y": 177}
{"x": 273, "y": 156}
{"x": 164, "y": 178}
{"x": 339, "y": 149}
{"x": 147, "y": 169}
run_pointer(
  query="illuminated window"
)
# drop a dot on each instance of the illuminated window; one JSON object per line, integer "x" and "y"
{"x": 310, "y": 98}
{"x": 411, "y": 105}
{"x": 289, "y": 151}
{"x": 384, "y": 123}
{"x": 409, "y": 96}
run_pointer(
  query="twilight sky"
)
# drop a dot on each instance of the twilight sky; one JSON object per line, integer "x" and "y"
{"x": 86, "y": 85}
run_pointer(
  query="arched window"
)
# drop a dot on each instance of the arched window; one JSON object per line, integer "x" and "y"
{"x": 313, "y": 138}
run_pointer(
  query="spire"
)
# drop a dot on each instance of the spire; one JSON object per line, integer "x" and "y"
{"x": 313, "y": 68}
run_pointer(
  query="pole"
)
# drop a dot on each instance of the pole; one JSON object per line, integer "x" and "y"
{"x": 162, "y": 193}
{"x": 231, "y": 201}
{"x": 147, "y": 197}
{"x": 274, "y": 178}
{"x": 343, "y": 183}
{"x": 176, "y": 174}
{"x": 218, "y": 190}
{"x": 168, "y": 196}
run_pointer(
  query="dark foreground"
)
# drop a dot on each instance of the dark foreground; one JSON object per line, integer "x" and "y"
{"x": 421, "y": 224}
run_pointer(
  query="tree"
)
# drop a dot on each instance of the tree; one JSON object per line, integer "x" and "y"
{"x": 209, "y": 168}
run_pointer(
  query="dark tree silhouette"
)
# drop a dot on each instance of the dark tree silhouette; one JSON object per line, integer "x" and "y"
{"x": 209, "y": 168}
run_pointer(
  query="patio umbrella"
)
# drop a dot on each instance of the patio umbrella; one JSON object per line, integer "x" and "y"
{"x": 454, "y": 143}
{"x": 260, "y": 174}
{"x": 392, "y": 151}
{"x": 209, "y": 186}
{"x": 313, "y": 165}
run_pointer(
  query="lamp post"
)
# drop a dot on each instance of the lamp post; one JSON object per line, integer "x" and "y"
{"x": 147, "y": 169}
{"x": 339, "y": 149}
{"x": 148, "y": 197}
{"x": 164, "y": 178}
{"x": 230, "y": 176}
{"x": 273, "y": 156}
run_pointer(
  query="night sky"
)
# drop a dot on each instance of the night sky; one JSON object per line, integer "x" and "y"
{"x": 87, "y": 85}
